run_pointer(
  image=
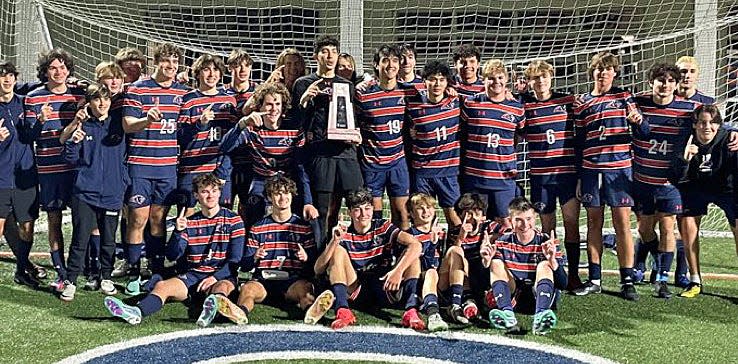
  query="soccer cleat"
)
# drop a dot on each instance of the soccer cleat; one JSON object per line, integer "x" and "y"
{"x": 57, "y": 285}
{"x": 230, "y": 310}
{"x": 209, "y": 310}
{"x": 67, "y": 294}
{"x": 502, "y": 319}
{"x": 489, "y": 299}
{"x": 344, "y": 317}
{"x": 682, "y": 281}
{"x": 120, "y": 269}
{"x": 628, "y": 292}
{"x": 456, "y": 314}
{"x": 37, "y": 271}
{"x": 117, "y": 308}
{"x": 133, "y": 287}
{"x": 543, "y": 322}
{"x": 26, "y": 279}
{"x": 470, "y": 309}
{"x": 693, "y": 290}
{"x": 588, "y": 288}
{"x": 661, "y": 290}
{"x": 108, "y": 287}
{"x": 318, "y": 309}
{"x": 436, "y": 323}
{"x": 93, "y": 284}
{"x": 412, "y": 320}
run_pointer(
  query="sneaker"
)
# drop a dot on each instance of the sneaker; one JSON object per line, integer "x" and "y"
{"x": 456, "y": 314}
{"x": 107, "y": 287}
{"x": 93, "y": 284}
{"x": 117, "y": 308}
{"x": 661, "y": 290}
{"x": 693, "y": 290}
{"x": 682, "y": 281}
{"x": 67, "y": 294}
{"x": 37, "y": 271}
{"x": 133, "y": 287}
{"x": 120, "y": 269}
{"x": 26, "y": 279}
{"x": 209, "y": 310}
{"x": 470, "y": 309}
{"x": 543, "y": 322}
{"x": 588, "y": 288}
{"x": 436, "y": 323}
{"x": 344, "y": 317}
{"x": 628, "y": 292}
{"x": 57, "y": 285}
{"x": 502, "y": 319}
{"x": 318, "y": 309}
{"x": 230, "y": 310}
{"x": 412, "y": 320}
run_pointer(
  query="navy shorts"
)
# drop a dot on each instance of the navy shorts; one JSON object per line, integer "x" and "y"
{"x": 545, "y": 190}
{"x": 55, "y": 192}
{"x": 607, "y": 187}
{"x": 372, "y": 292}
{"x": 445, "y": 189}
{"x": 498, "y": 201}
{"x": 650, "y": 199}
{"x": 151, "y": 191}
{"x": 695, "y": 204}
{"x": 191, "y": 279}
{"x": 184, "y": 188}
{"x": 276, "y": 289}
{"x": 396, "y": 180}
{"x": 21, "y": 203}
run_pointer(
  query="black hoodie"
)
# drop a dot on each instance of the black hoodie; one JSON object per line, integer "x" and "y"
{"x": 712, "y": 170}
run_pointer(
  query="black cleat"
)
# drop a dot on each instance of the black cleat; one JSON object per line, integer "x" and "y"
{"x": 661, "y": 290}
{"x": 26, "y": 279}
{"x": 628, "y": 292}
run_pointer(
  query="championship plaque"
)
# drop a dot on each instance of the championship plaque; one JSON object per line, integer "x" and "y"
{"x": 341, "y": 124}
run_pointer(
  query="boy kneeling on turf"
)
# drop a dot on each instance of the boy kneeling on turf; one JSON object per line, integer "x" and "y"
{"x": 359, "y": 262}
{"x": 212, "y": 242}
{"x": 526, "y": 262}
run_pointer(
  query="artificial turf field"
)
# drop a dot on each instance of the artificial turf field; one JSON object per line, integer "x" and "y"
{"x": 37, "y": 327}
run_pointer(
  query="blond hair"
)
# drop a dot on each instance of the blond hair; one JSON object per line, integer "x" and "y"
{"x": 537, "y": 68}
{"x": 492, "y": 67}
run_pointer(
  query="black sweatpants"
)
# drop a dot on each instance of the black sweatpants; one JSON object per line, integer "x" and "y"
{"x": 84, "y": 219}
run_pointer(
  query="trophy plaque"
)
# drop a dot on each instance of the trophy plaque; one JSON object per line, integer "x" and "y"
{"x": 341, "y": 123}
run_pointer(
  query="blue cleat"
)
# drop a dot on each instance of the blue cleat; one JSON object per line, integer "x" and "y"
{"x": 117, "y": 308}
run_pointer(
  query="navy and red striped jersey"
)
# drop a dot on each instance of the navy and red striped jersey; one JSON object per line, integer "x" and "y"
{"x": 467, "y": 89}
{"x": 199, "y": 144}
{"x": 282, "y": 239}
{"x": 49, "y": 158}
{"x": 152, "y": 152}
{"x": 431, "y": 252}
{"x": 472, "y": 243}
{"x": 522, "y": 259}
{"x": 416, "y": 82}
{"x": 701, "y": 98}
{"x": 381, "y": 119}
{"x": 671, "y": 126}
{"x": 489, "y": 128}
{"x": 239, "y": 157}
{"x": 435, "y": 145}
{"x": 372, "y": 249}
{"x": 603, "y": 132}
{"x": 210, "y": 245}
{"x": 549, "y": 130}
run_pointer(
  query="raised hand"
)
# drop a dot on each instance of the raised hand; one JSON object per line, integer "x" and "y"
{"x": 436, "y": 230}
{"x": 309, "y": 212}
{"x": 4, "y": 132}
{"x": 79, "y": 134}
{"x": 549, "y": 247}
{"x": 312, "y": 91}
{"x": 690, "y": 150}
{"x": 301, "y": 253}
{"x": 45, "y": 113}
{"x": 154, "y": 113}
{"x": 181, "y": 222}
{"x": 634, "y": 117}
{"x": 254, "y": 120}
{"x": 276, "y": 75}
{"x": 488, "y": 249}
{"x": 207, "y": 115}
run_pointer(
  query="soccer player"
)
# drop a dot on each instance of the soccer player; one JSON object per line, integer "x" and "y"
{"x": 18, "y": 196}
{"x": 47, "y": 111}
{"x": 360, "y": 256}
{"x": 406, "y": 75}
{"x": 657, "y": 201}
{"x": 603, "y": 118}
{"x": 687, "y": 89}
{"x": 490, "y": 123}
{"x": 207, "y": 114}
{"x": 150, "y": 111}
{"x": 281, "y": 248}
{"x": 467, "y": 59}
{"x": 346, "y": 67}
{"x": 549, "y": 130}
{"x": 332, "y": 164}
{"x": 212, "y": 242}
{"x": 132, "y": 61}
{"x": 425, "y": 228}
{"x": 433, "y": 123}
{"x": 97, "y": 150}
{"x": 381, "y": 114}
{"x": 526, "y": 265}
{"x": 706, "y": 174}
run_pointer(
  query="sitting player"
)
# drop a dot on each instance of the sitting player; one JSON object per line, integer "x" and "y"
{"x": 425, "y": 228}
{"x": 358, "y": 261}
{"x": 526, "y": 262}
{"x": 212, "y": 243}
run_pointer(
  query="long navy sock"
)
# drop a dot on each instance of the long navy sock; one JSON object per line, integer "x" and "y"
{"x": 94, "y": 252}
{"x": 57, "y": 259}
{"x": 595, "y": 271}
{"x": 150, "y": 304}
{"x": 410, "y": 292}
{"x": 664, "y": 260}
{"x": 457, "y": 291}
{"x": 626, "y": 275}
{"x": 430, "y": 304}
{"x": 681, "y": 260}
{"x": 23, "y": 261}
{"x": 501, "y": 290}
{"x": 573, "y": 254}
{"x": 155, "y": 246}
{"x": 545, "y": 293}
{"x": 341, "y": 293}
{"x": 133, "y": 256}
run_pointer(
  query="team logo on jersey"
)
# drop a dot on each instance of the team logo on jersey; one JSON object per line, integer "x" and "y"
{"x": 401, "y": 101}
{"x": 448, "y": 106}
{"x": 614, "y": 105}
{"x": 559, "y": 109}
{"x": 508, "y": 117}
{"x": 137, "y": 199}
{"x": 539, "y": 206}
{"x": 677, "y": 122}
{"x": 587, "y": 197}
{"x": 286, "y": 141}
{"x": 220, "y": 228}
{"x": 177, "y": 100}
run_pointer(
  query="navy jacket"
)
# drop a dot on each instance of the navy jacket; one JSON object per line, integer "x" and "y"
{"x": 101, "y": 174}
{"x": 16, "y": 152}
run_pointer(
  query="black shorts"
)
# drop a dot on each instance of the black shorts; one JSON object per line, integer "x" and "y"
{"x": 330, "y": 174}
{"x": 22, "y": 203}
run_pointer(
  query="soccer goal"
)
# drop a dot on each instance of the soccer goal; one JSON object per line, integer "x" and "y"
{"x": 564, "y": 32}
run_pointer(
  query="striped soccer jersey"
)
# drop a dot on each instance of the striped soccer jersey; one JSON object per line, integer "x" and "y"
{"x": 522, "y": 259}
{"x": 372, "y": 249}
{"x": 435, "y": 146}
{"x": 239, "y": 157}
{"x": 381, "y": 119}
{"x": 701, "y": 98}
{"x": 431, "y": 253}
{"x": 468, "y": 89}
{"x": 281, "y": 241}
{"x": 549, "y": 130}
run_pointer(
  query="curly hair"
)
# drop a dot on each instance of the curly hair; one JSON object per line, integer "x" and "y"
{"x": 166, "y": 50}
{"x": 280, "y": 183}
{"x": 272, "y": 89}
{"x": 46, "y": 58}
{"x": 206, "y": 60}
{"x": 466, "y": 51}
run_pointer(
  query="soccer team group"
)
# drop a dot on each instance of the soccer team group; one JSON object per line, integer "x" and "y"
{"x": 126, "y": 148}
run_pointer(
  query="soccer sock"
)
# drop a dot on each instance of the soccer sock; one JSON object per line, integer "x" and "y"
{"x": 155, "y": 252}
{"x": 545, "y": 293}
{"x": 457, "y": 291}
{"x": 695, "y": 278}
{"x": 681, "y": 260}
{"x": 341, "y": 293}
{"x": 501, "y": 290}
{"x": 57, "y": 259}
{"x": 377, "y": 214}
{"x": 94, "y": 252}
{"x": 664, "y": 260}
{"x": 641, "y": 254}
{"x": 573, "y": 255}
{"x": 133, "y": 256}
{"x": 24, "y": 251}
{"x": 430, "y": 304}
{"x": 150, "y": 304}
{"x": 626, "y": 275}
{"x": 409, "y": 293}
{"x": 595, "y": 273}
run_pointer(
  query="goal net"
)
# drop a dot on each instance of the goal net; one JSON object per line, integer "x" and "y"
{"x": 564, "y": 32}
